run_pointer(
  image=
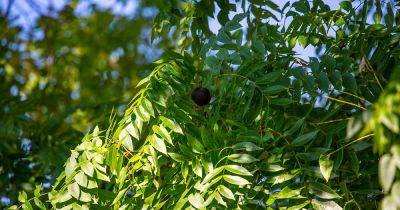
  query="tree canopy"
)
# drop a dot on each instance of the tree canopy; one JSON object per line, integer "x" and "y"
{"x": 280, "y": 132}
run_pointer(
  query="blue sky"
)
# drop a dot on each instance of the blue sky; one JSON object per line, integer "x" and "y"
{"x": 27, "y": 11}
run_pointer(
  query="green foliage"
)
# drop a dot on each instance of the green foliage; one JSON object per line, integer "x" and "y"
{"x": 279, "y": 133}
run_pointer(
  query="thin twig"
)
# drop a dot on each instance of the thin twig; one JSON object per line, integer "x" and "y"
{"x": 332, "y": 121}
{"x": 356, "y": 96}
{"x": 346, "y": 102}
{"x": 352, "y": 142}
{"x": 369, "y": 68}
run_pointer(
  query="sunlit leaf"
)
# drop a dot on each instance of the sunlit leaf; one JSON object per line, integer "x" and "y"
{"x": 236, "y": 180}
{"x": 239, "y": 170}
{"x": 325, "y": 166}
{"x": 226, "y": 192}
{"x": 242, "y": 158}
{"x": 157, "y": 143}
{"x": 322, "y": 191}
{"x": 196, "y": 200}
{"x": 387, "y": 170}
{"x": 73, "y": 190}
{"x": 162, "y": 131}
{"x": 248, "y": 146}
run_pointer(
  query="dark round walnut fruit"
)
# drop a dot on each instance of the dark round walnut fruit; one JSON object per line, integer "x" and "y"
{"x": 201, "y": 96}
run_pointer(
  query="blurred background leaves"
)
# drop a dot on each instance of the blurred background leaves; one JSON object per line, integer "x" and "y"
{"x": 63, "y": 68}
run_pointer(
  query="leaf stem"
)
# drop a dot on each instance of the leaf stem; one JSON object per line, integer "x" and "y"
{"x": 350, "y": 143}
